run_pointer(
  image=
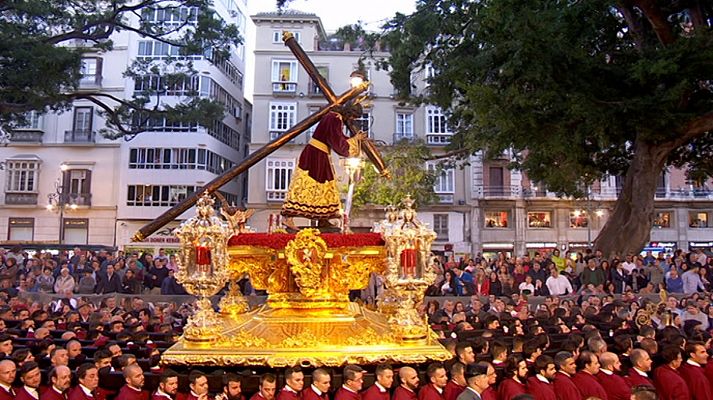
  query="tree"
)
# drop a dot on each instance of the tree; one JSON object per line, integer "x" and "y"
{"x": 42, "y": 43}
{"x": 406, "y": 161}
{"x": 578, "y": 89}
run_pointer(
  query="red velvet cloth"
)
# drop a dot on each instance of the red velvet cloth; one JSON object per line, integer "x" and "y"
{"x": 635, "y": 379}
{"x": 401, "y": 393}
{"x": 279, "y": 240}
{"x": 540, "y": 390}
{"x": 670, "y": 385}
{"x": 510, "y": 388}
{"x": 617, "y": 388}
{"x": 589, "y": 386}
{"x": 374, "y": 393}
{"x": 452, "y": 390}
{"x": 565, "y": 388}
{"x": 697, "y": 382}
{"x": 310, "y": 394}
{"x": 127, "y": 393}
{"x": 429, "y": 392}
{"x": 344, "y": 394}
{"x": 316, "y": 162}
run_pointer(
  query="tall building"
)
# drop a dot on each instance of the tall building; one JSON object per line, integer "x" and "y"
{"x": 484, "y": 207}
{"x": 66, "y": 183}
{"x": 284, "y": 95}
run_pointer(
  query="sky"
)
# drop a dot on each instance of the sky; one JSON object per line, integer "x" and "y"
{"x": 337, "y": 13}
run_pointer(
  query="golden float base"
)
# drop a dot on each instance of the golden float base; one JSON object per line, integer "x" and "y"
{"x": 316, "y": 337}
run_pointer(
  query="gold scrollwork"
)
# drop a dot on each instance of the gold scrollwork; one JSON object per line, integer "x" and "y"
{"x": 305, "y": 254}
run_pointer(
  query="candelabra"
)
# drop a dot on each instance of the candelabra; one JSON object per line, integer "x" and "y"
{"x": 202, "y": 268}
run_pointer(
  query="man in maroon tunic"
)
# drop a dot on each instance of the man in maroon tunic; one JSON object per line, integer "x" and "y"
{"x": 319, "y": 390}
{"x": 353, "y": 378}
{"x": 313, "y": 190}
{"x": 30, "y": 376}
{"x": 693, "y": 373}
{"x": 516, "y": 375}
{"x": 566, "y": 368}
{"x": 587, "y": 369}
{"x": 268, "y": 385}
{"x": 88, "y": 376}
{"x": 198, "y": 384}
{"x": 540, "y": 386}
{"x": 380, "y": 389}
{"x": 437, "y": 381}
{"x": 295, "y": 381}
{"x": 409, "y": 384}
{"x": 60, "y": 379}
{"x": 232, "y": 388}
{"x": 8, "y": 371}
{"x": 617, "y": 387}
{"x": 132, "y": 390}
{"x": 669, "y": 384}
{"x": 641, "y": 366}
{"x": 456, "y": 385}
{"x": 167, "y": 386}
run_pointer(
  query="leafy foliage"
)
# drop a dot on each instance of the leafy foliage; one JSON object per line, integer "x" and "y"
{"x": 48, "y": 38}
{"x": 406, "y": 161}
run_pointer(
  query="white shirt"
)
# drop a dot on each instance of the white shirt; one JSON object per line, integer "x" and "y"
{"x": 32, "y": 391}
{"x": 606, "y": 372}
{"x": 381, "y": 388}
{"x": 642, "y": 373}
{"x": 628, "y": 266}
{"x": 558, "y": 286}
{"x": 86, "y": 390}
{"x": 542, "y": 378}
{"x": 691, "y": 362}
{"x": 314, "y": 388}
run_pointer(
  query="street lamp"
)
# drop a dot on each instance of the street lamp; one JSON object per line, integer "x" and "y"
{"x": 59, "y": 200}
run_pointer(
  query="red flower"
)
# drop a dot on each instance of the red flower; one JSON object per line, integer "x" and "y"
{"x": 279, "y": 240}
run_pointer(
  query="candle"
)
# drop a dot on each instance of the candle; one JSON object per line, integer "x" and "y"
{"x": 202, "y": 255}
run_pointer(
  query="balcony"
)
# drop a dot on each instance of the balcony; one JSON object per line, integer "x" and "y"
{"x": 399, "y": 136}
{"x": 21, "y": 199}
{"x": 276, "y": 195}
{"x": 26, "y": 136}
{"x": 90, "y": 82}
{"x": 445, "y": 198}
{"x": 438, "y": 139}
{"x": 488, "y": 192}
{"x": 287, "y": 88}
{"x": 79, "y": 199}
{"x": 79, "y": 136}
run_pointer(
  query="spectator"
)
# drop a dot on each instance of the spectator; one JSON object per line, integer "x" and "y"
{"x": 674, "y": 283}
{"x": 557, "y": 284}
{"x": 64, "y": 282}
{"x": 692, "y": 280}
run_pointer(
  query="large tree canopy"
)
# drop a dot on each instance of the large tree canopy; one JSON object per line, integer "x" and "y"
{"x": 578, "y": 89}
{"x": 40, "y": 57}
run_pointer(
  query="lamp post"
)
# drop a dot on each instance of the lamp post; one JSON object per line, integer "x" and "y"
{"x": 59, "y": 200}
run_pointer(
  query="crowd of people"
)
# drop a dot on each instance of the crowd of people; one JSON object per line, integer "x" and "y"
{"x": 550, "y": 273}
{"x": 591, "y": 345}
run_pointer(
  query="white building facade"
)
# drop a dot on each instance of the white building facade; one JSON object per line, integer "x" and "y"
{"x": 65, "y": 183}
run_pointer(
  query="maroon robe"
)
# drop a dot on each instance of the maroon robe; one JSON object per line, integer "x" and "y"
{"x": 188, "y": 396}
{"x": 257, "y": 396}
{"x": 51, "y": 394}
{"x": 540, "y": 390}
{"x": 695, "y": 378}
{"x": 156, "y": 396}
{"x": 22, "y": 394}
{"x": 670, "y": 385}
{"x": 429, "y": 392}
{"x": 708, "y": 370}
{"x": 565, "y": 389}
{"x": 617, "y": 388}
{"x": 401, "y": 393}
{"x": 510, "y": 388}
{"x": 128, "y": 393}
{"x": 374, "y": 393}
{"x": 310, "y": 394}
{"x": 5, "y": 395}
{"x": 343, "y": 394}
{"x": 451, "y": 391}
{"x": 287, "y": 394}
{"x": 77, "y": 393}
{"x": 489, "y": 394}
{"x": 636, "y": 379}
{"x": 589, "y": 386}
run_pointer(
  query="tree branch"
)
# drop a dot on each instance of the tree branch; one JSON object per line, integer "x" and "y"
{"x": 627, "y": 10}
{"x": 657, "y": 19}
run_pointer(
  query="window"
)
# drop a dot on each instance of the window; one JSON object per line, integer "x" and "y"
{"x": 497, "y": 219}
{"x": 578, "y": 219}
{"x": 539, "y": 219}
{"x": 91, "y": 71}
{"x": 324, "y": 71}
{"x": 282, "y": 117}
{"x": 440, "y": 226}
{"x": 34, "y": 121}
{"x": 77, "y": 183}
{"x": 75, "y": 230}
{"x": 284, "y": 76}
{"x": 157, "y": 195}
{"x": 445, "y": 183}
{"x": 698, "y": 219}
{"x": 662, "y": 219}
{"x": 22, "y": 176}
{"x": 175, "y": 86}
{"x": 277, "y": 37}
{"x": 363, "y": 123}
{"x": 170, "y": 15}
{"x": 153, "y": 49}
{"x": 21, "y": 229}
{"x": 428, "y": 73}
{"x": 278, "y": 177}
{"x": 178, "y": 158}
{"x": 436, "y": 121}
{"x": 404, "y": 126}
{"x": 83, "y": 120}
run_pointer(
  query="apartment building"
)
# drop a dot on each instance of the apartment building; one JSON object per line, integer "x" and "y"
{"x": 285, "y": 95}
{"x": 66, "y": 183}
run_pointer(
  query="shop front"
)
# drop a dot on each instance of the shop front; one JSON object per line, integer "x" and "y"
{"x": 659, "y": 248}
{"x": 491, "y": 251}
{"x": 540, "y": 247}
{"x": 161, "y": 239}
{"x": 707, "y": 247}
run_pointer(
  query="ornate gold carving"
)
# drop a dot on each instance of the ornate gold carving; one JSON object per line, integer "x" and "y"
{"x": 305, "y": 254}
{"x": 312, "y": 198}
{"x": 303, "y": 340}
